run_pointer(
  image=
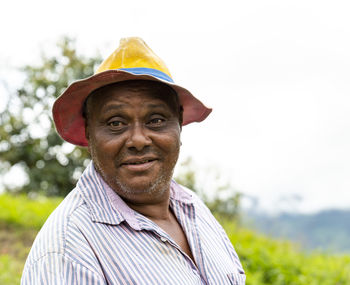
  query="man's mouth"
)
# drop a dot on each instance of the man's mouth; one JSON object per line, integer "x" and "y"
{"x": 138, "y": 162}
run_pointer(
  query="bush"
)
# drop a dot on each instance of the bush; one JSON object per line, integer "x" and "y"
{"x": 267, "y": 261}
{"x": 20, "y": 211}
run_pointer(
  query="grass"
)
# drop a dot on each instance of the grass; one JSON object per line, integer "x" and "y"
{"x": 20, "y": 211}
{"x": 20, "y": 220}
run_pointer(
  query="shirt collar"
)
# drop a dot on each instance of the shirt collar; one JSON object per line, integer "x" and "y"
{"x": 106, "y": 206}
{"x": 93, "y": 190}
{"x": 180, "y": 193}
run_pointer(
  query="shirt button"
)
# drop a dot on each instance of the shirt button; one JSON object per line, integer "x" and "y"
{"x": 163, "y": 239}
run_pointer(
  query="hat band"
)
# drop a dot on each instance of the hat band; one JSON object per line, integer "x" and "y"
{"x": 148, "y": 71}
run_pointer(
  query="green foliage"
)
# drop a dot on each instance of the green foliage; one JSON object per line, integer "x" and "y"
{"x": 20, "y": 220}
{"x": 9, "y": 270}
{"x": 268, "y": 261}
{"x": 20, "y": 211}
{"x": 15, "y": 243}
{"x": 27, "y": 134}
{"x": 224, "y": 200}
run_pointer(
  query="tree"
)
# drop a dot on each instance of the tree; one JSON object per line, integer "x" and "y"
{"x": 27, "y": 134}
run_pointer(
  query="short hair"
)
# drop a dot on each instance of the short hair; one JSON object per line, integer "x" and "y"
{"x": 159, "y": 90}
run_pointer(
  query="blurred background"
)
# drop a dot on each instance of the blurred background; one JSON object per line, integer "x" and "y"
{"x": 274, "y": 155}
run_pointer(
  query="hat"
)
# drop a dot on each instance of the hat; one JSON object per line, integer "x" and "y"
{"x": 132, "y": 60}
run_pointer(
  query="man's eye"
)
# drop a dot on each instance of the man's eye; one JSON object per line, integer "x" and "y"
{"x": 156, "y": 121}
{"x": 115, "y": 124}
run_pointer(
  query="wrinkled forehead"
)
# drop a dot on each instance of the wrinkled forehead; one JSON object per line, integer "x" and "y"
{"x": 150, "y": 89}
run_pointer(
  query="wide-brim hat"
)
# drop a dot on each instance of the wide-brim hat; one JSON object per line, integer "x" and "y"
{"x": 132, "y": 60}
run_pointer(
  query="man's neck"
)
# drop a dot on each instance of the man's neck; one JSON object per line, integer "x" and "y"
{"x": 156, "y": 211}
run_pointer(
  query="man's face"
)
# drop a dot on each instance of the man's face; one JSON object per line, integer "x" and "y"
{"x": 134, "y": 141}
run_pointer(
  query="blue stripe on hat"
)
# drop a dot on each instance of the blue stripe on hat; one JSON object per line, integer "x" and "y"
{"x": 148, "y": 71}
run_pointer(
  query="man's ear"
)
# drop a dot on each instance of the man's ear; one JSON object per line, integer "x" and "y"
{"x": 181, "y": 113}
{"x": 87, "y": 135}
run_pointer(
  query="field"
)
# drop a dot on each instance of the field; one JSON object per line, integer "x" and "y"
{"x": 265, "y": 261}
{"x": 20, "y": 220}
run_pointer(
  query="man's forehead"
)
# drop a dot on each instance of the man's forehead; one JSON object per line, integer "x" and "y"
{"x": 142, "y": 88}
{"x": 121, "y": 103}
{"x": 136, "y": 85}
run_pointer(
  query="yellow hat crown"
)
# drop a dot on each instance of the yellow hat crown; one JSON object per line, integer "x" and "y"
{"x": 133, "y": 52}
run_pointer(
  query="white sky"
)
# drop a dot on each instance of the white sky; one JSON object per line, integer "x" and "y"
{"x": 275, "y": 72}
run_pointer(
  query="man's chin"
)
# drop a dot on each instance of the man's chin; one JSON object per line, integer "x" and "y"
{"x": 141, "y": 187}
{"x": 133, "y": 188}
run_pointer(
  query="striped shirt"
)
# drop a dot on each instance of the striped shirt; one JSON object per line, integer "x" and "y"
{"x": 93, "y": 237}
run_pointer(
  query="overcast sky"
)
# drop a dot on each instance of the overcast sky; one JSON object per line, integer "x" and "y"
{"x": 276, "y": 74}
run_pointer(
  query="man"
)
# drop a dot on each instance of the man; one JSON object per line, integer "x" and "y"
{"x": 127, "y": 222}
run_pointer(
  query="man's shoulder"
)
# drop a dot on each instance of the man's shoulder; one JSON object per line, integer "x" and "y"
{"x": 53, "y": 235}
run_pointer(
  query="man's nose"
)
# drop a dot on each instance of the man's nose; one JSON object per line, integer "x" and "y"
{"x": 138, "y": 138}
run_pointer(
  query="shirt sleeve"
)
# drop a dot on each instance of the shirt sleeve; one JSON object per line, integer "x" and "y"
{"x": 54, "y": 268}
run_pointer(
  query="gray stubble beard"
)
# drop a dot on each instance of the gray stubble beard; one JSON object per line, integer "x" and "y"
{"x": 159, "y": 186}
